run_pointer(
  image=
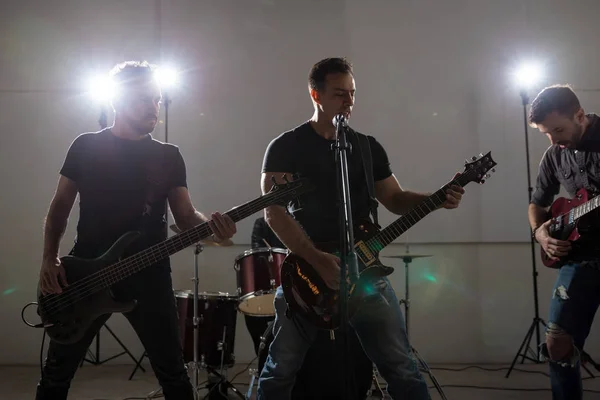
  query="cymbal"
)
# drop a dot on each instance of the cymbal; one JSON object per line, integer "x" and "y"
{"x": 403, "y": 256}
{"x": 210, "y": 243}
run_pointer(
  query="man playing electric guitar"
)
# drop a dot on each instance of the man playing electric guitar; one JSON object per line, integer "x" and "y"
{"x": 307, "y": 150}
{"x": 573, "y": 161}
{"x": 124, "y": 178}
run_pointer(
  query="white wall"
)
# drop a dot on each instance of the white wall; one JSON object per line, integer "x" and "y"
{"x": 433, "y": 86}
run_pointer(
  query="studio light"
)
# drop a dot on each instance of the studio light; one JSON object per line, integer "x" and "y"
{"x": 101, "y": 89}
{"x": 528, "y": 74}
{"x": 167, "y": 77}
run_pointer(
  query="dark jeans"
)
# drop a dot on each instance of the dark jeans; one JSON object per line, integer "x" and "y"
{"x": 380, "y": 327}
{"x": 155, "y": 321}
{"x": 575, "y": 299}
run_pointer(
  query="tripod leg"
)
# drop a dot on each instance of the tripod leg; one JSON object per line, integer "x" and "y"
{"x": 138, "y": 365}
{"x": 425, "y": 367}
{"x": 125, "y": 349}
{"x": 526, "y": 340}
{"x": 528, "y": 344}
{"x": 223, "y": 381}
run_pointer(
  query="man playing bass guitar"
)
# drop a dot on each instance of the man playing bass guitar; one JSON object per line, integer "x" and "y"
{"x": 124, "y": 178}
{"x": 307, "y": 150}
{"x": 573, "y": 161}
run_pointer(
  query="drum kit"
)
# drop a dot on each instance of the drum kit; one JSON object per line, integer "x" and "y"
{"x": 208, "y": 319}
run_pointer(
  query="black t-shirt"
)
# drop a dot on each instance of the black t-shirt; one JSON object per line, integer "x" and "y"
{"x": 123, "y": 185}
{"x": 303, "y": 151}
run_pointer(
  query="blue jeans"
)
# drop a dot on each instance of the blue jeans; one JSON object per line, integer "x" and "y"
{"x": 575, "y": 299}
{"x": 380, "y": 327}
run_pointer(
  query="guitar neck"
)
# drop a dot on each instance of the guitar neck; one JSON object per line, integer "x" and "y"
{"x": 586, "y": 207}
{"x": 174, "y": 244}
{"x": 420, "y": 211}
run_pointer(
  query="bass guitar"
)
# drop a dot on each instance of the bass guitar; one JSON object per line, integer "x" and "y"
{"x": 307, "y": 294}
{"x": 566, "y": 215}
{"x": 66, "y": 316}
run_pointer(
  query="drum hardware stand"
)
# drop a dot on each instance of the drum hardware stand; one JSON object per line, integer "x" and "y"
{"x": 195, "y": 321}
{"x": 408, "y": 258}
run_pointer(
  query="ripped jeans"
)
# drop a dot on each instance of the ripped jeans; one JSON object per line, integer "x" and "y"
{"x": 380, "y": 327}
{"x": 575, "y": 299}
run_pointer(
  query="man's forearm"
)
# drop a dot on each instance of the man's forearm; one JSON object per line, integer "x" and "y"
{"x": 537, "y": 215}
{"x": 192, "y": 220}
{"x": 54, "y": 229}
{"x": 406, "y": 200}
{"x": 289, "y": 231}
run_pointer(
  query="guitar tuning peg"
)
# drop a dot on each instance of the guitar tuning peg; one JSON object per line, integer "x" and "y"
{"x": 285, "y": 178}
{"x": 493, "y": 169}
{"x": 473, "y": 158}
{"x": 466, "y": 162}
{"x": 482, "y": 181}
{"x": 480, "y": 154}
{"x": 487, "y": 175}
{"x": 273, "y": 181}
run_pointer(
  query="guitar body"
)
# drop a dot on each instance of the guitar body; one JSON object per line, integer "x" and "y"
{"x": 73, "y": 311}
{"x": 564, "y": 225}
{"x": 307, "y": 294}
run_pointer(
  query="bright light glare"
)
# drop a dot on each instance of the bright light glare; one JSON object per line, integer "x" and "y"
{"x": 167, "y": 77}
{"x": 101, "y": 89}
{"x": 528, "y": 75}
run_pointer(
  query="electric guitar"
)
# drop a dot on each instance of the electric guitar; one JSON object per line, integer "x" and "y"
{"x": 307, "y": 294}
{"x": 566, "y": 215}
{"x": 66, "y": 316}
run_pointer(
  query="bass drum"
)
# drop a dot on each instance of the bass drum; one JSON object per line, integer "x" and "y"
{"x": 320, "y": 376}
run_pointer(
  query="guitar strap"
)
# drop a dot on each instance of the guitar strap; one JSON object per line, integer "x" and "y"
{"x": 367, "y": 161}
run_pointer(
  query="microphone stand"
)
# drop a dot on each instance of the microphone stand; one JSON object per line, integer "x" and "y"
{"x": 348, "y": 257}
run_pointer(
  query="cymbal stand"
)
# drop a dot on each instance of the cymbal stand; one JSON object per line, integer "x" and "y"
{"x": 406, "y": 301}
{"x": 196, "y": 365}
{"x": 195, "y": 321}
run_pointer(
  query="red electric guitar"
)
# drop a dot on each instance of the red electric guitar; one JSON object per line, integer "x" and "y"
{"x": 566, "y": 214}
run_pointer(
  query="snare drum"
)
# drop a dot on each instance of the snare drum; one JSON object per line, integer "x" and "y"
{"x": 258, "y": 276}
{"x": 217, "y": 316}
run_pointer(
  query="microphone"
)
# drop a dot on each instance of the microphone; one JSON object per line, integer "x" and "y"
{"x": 340, "y": 119}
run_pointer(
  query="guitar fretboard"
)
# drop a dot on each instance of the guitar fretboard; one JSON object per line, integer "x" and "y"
{"x": 421, "y": 210}
{"x": 114, "y": 273}
{"x": 586, "y": 207}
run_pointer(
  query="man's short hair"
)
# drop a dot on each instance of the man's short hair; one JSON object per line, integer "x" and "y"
{"x": 317, "y": 76}
{"x": 556, "y": 98}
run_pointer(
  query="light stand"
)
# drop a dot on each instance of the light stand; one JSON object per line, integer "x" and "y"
{"x": 95, "y": 358}
{"x": 535, "y": 324}
{"x": 167, "y": 102}
{"x": 348, "y": 257}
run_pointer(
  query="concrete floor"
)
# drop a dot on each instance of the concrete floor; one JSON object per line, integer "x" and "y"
{"x": 110, "y": 382}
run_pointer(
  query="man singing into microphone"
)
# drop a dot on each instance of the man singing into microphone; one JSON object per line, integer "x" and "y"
{"x": 307, "y": 150}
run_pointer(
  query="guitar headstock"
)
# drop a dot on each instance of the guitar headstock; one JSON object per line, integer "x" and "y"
{"x": 282, "y": 193}
{"x": 479, "y": 168}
